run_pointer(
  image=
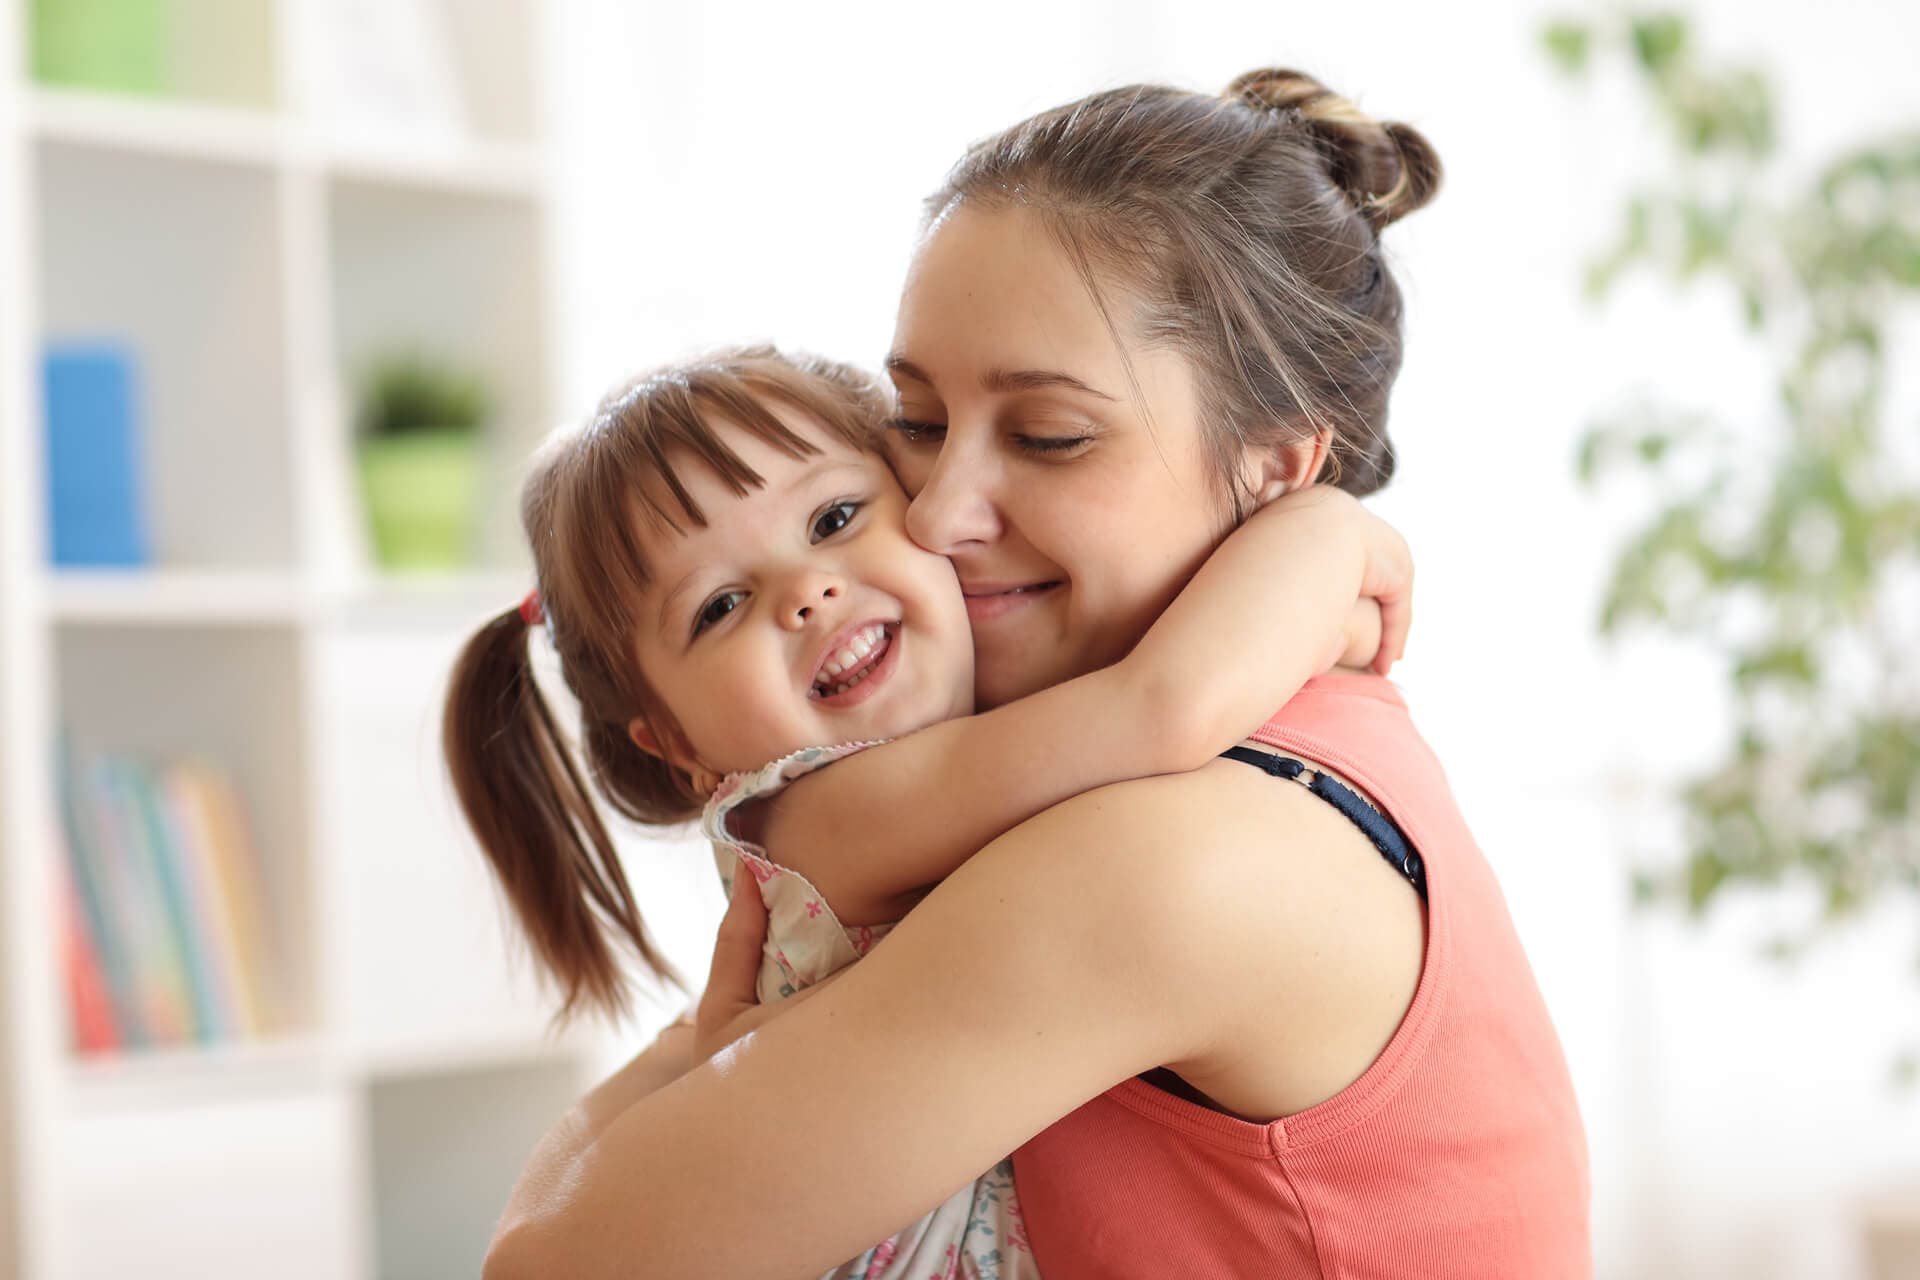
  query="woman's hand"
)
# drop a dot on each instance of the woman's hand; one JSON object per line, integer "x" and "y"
{"x": 730, "y": 1008}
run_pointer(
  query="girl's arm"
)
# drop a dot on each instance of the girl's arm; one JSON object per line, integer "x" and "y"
{"x": 1158, "y": 925}
{"x": 1269, "y": 610}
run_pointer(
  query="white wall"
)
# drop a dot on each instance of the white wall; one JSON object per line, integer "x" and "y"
{"x": 755, "y": 171}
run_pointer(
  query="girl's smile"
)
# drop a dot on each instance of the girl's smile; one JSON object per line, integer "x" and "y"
{"x": 857, "y": 662}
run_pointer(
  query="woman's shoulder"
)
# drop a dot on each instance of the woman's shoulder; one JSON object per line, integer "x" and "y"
{"x": 1225, "y": 850}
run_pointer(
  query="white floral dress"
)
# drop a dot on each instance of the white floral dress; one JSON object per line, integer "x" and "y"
{"x": 977, "y": 1233}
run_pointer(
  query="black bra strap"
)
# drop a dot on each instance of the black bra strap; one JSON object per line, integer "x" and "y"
{"x": 1373, "y": 824}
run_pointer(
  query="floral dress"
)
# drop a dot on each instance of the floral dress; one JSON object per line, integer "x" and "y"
{"x": 977, "y": 1233}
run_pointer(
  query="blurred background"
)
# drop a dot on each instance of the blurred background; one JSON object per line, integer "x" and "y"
{"x": 288, "y": 288}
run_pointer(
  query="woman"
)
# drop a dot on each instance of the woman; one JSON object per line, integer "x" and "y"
{"x": 1221, "y": 1033}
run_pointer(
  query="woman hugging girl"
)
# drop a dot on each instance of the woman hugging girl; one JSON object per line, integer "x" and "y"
{"x": 1226, "y": 1025}
{"x": 726, "y": 575}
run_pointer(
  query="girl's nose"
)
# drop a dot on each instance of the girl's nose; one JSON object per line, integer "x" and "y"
{"x": 954, "y": 509}
{"x": 806, "y": 591}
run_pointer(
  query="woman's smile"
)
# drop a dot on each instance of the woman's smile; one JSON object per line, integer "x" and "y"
{"x": 990, "y": 601}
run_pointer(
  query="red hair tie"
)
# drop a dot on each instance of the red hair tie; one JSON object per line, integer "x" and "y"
{"x": 532, "y": 612}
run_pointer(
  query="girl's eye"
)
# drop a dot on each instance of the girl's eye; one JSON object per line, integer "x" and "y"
{"x": 717, "y": 608}
{"x": 918, "y": 432}
{"x": 833, "y": 520}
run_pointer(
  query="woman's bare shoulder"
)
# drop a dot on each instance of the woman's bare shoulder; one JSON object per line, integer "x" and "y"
{"x": 1262, "y": 908}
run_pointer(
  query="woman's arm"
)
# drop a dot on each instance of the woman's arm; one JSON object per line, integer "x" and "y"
{"x": 1021, "y": 987}
{"x": 1272, "y": 607}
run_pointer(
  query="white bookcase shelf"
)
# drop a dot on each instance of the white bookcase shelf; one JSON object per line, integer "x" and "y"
{"x": 252, "y": 253}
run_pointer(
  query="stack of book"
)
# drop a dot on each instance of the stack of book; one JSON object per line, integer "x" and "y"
{"x": 165, "y": 916}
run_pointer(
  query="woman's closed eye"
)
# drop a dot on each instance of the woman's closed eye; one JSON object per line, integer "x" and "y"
{"x": 932, "y": 433}
{"x": 913, "y": 432}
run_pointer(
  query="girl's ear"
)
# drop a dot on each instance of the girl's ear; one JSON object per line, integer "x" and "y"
{"x": 705, "y": 780}
{"x": 642, "y": 735}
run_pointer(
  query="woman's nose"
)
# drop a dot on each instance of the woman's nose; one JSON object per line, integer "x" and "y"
{"x": 955, "y": 508}
{"x": 804, "y": 592}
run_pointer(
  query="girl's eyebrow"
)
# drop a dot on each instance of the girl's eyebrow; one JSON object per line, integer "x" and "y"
{"x": 1005, "y": 381}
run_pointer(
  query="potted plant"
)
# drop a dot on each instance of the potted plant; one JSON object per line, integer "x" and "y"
{"x": 1787, "y": 542}
{"x": 419, "y": 431}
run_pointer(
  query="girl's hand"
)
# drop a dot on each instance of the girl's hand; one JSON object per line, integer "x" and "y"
{"x": 1388, "y": 583}
{"x": 730, "y": 1008}
{"x": 1270, "y": 609}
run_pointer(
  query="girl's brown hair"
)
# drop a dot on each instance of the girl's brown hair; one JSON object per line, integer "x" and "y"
{"x": 592, "y": 491}
{"x": 1245, "y": 228}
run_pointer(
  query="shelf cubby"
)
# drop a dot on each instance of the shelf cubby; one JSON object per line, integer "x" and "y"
{"x": 179, "y": 261}
{"x": 219, "y": 52}
{"x": 229, "y": 695}
{"x": 454, "y": 276}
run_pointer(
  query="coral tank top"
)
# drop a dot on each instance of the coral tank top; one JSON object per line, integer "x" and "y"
{"x": 1459, "y": 1152}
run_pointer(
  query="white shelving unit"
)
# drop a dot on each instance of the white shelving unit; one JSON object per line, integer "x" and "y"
{"x": 253, "y": 255}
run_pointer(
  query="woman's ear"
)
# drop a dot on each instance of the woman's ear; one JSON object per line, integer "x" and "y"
{"x": 1272, "y": 470}
{"x": 705, "y": 780}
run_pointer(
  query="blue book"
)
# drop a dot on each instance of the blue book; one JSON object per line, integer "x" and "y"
{"x": 95, "y": 506}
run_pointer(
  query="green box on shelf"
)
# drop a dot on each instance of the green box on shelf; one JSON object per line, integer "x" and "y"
{"x": 419, "y": 453}
{"x": 421, "y": 491}
{"x": 119, "y": 45}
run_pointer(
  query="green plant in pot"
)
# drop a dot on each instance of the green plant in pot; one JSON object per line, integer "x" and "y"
{"x": 1789, "y": 542}
{"x": 419, "y": 432}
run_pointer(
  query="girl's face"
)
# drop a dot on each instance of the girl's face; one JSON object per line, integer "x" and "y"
{"x": 802, "y": 614}
{"x": 1074, "y": 500}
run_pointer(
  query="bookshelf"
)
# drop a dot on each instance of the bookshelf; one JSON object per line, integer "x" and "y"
{"x": 252, "y": 247}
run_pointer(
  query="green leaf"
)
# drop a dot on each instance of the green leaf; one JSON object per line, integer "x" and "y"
{"x": 1788, "y": 664}
{"x": 1706, "y": 872}
{"x": 1658, "y": 40}
{"x": 1569, "y": 44}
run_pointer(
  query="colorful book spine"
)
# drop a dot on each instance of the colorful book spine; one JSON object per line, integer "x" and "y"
{"x": 169, "y": 867}
{"x": 160, "y": 981}
{"x": 237, "y": 868}
{"x": 227, "y": 967}
{"x": 89, "y": 1005}
{"x": 92, "y": 878}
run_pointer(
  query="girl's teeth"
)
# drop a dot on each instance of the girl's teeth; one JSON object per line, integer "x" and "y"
{"x": 858, "y": 649}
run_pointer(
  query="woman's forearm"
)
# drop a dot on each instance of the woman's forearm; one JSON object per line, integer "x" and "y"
{"x": 553, "y": 1165}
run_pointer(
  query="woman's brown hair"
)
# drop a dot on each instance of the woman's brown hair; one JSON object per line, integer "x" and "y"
{"x": 591, "y": 493}
{"x": 1244, "y": 229}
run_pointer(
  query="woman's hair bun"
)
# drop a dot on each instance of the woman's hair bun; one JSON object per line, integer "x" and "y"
{"x": 1388, "y": 169}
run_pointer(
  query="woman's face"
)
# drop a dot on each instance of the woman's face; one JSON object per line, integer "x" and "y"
{"x": 1073, "y": 499}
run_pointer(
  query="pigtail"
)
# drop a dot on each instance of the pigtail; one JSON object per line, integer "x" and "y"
{"x": 536, "y": 822}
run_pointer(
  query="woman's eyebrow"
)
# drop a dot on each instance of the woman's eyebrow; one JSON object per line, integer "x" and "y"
{"x": 1007, "y": 380}
{"x": 1004, "y": 381}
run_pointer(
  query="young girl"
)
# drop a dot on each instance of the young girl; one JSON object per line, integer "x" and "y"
{"x": 725, "y": 573}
